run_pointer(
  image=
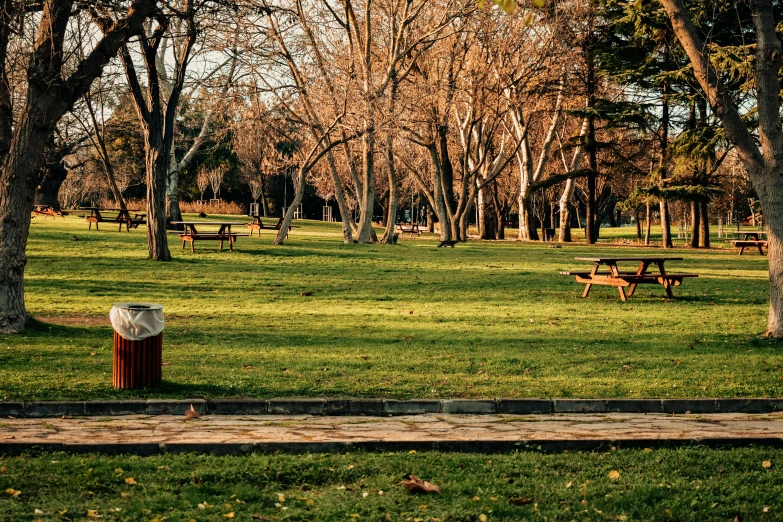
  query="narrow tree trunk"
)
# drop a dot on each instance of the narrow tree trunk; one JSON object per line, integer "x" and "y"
{"x": 648, "y": 224}
{"x": 391, "y": 218}
{"x": 636, "y": 218}
{"x": 299, "y": 182}
{"x": 367, "y": 203}
{"x": 695, "y": 225}
{"x": 339, "y": 196}
{"x": 704, "y": 231}
{"x": 172, "y": 190}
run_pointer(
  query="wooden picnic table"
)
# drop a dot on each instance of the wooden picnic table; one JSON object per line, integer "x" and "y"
{"x": 409, "y": 228}
{"x": 622, "y": 279}
{"x": 123, "y": 217}
{"x": 256, "y": 225}
{"x": 749, "y": 238}
{"x": 191, "y": 234}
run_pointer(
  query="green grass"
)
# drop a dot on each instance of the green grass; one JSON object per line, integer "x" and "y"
{"x": 659, "y": 485}
{"x": 485, "y": 319}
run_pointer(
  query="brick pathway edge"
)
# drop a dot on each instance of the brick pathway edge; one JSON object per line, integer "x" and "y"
{"x": 385, "y": 407}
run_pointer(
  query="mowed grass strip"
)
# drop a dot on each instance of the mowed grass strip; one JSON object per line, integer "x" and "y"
{"x": 316, "y": 317}
{"x": 665, "y": 484}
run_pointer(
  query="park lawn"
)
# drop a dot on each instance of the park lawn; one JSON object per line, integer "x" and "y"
{"x": 485, "y": 319}
{"x": 653, "y": 485}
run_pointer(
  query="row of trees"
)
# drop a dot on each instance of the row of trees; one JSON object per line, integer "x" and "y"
{"x": 567, "y": 104}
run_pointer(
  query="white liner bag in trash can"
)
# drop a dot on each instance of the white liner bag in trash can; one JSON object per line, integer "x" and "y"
{"x": 138, "y": 344}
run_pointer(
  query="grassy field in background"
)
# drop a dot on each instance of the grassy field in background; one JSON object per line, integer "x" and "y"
{"x": 665, "y": 484}
{"x": 485, "y": 319}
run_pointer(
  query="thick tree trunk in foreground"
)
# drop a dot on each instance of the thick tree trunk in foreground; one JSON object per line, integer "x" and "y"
{"x": 367, "y": 199}
{"x": 157, "y": 174}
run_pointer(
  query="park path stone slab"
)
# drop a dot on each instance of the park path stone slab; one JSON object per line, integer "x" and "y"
{"x": 142, "y": 434}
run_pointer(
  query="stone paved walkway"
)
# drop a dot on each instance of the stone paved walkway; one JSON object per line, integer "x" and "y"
{"x": 319, "y": 432}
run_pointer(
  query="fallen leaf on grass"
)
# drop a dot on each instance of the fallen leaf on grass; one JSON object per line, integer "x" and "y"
{"x": 259, "y": 517}
{"x": 482, "y": 518}
{"x": 13, "y": 492}
{"x": 249, "y": 367}
{"x": 229, "y": 515}
{"x": 38, "y": 512}
{"x": 64, "y": 511}
{"x": 766, "y": 464}
{"x": 415, "y": 485}
{"x": 614, "y": 474}
{"x": 2, "y": 469}
{"x": 192, "y": 413}
{"x": 93, "y": 513}
{"x": 765, "y": 510}
{"x": 520, "y": 501}
{"x": 130, "y": 480}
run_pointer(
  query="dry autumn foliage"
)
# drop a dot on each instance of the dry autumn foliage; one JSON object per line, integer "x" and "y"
{"x": 416, "y": 485}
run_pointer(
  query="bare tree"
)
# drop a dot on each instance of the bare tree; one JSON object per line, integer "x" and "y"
{"x": 51, "y": 90}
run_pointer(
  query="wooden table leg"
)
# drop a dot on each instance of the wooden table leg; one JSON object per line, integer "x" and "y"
{"x": 616, "y": 273}
{"x": 588, "y": 285}
{"x": 666, "y": 285}
{"x": 640, "y": 271}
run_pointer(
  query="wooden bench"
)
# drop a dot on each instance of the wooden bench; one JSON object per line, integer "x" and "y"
{"x": 210, "y": 236}
{"x": 409, "y": 228}
{"x": 749, "y": 243}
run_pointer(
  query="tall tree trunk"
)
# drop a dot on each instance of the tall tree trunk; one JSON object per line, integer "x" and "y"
{"x": 666, "y": 231}
{"x": 647, "y": 224}
{"x": 695, "y": 224}
{"x": 394, "y": 190}
{"x": 339, "y": 196}
{"x": 367, "y": 200}
{"x": 704, "y": 231}
{"x": 637, "y": 220}
{"x": 299, "y": 182}
{"x": 564, "y": 234}
{"x": 487, "y": 214}
{"x": 157, "y": 174}
{"x": 172, "y": 190}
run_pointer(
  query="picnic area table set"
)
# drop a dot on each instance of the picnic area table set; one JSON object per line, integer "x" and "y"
{"x": 628, "y": 278}
{"x": 194, "y": 231}
{"x": 749, "y": 238}
{"x": 123, "y": 216}
{"x": 409, "y": 228}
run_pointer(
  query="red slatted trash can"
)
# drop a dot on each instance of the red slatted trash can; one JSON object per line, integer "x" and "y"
{"x": 138, "y": 345}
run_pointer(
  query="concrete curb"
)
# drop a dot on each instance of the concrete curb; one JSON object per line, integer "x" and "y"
{"x": 383, "y": 407}
{"x": 474, "y": 446}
